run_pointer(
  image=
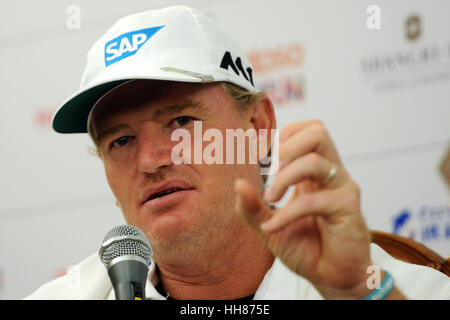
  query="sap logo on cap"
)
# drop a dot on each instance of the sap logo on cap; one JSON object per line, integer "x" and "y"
{"x": 127, "y": 44}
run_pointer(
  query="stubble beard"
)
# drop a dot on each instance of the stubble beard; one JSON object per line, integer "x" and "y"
{"x": 197, "y": 246}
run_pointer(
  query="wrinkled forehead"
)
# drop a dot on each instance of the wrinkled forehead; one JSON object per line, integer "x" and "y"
{"x": 129, "y": 96}
{"x": 134, "y": 95}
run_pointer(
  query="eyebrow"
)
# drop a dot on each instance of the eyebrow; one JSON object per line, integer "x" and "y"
{"x": 178, "y": 107}
{"x": 165, "y": 110}
{"x": 110, "y": 131}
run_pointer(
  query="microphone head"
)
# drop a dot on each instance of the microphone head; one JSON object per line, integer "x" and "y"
{"x": 125, "y": 242}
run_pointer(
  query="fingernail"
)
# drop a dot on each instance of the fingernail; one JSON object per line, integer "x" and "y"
{"x": 237, "y": 204}
{"x": 268, "y": 194}
{"x": 265, "y": 226}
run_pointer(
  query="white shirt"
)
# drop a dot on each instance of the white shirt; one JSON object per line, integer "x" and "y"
{"x": 89, "y": 280}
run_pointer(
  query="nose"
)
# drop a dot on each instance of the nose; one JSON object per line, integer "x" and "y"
{"x": 153, "y": 151}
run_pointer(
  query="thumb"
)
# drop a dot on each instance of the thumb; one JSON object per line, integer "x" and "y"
{"x": 250, "y": 205}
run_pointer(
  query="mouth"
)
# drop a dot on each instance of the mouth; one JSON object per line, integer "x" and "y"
{"x": 169, "y": 190}
{"x": 163, "y": 193}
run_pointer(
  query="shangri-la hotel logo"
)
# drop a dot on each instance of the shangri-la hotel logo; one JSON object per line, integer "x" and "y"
{"x": 413, "y": 28}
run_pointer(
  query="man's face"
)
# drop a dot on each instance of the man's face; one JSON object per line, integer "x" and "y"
{"x": 184, "y": 207}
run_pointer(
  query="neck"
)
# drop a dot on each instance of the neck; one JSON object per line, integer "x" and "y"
{"x": 236, "y": 272}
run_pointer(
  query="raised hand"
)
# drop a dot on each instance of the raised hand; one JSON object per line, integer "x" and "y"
{"x": 319, "y": 233}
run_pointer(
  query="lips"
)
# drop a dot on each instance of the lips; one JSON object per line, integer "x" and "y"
{"x": 164, "y": 190}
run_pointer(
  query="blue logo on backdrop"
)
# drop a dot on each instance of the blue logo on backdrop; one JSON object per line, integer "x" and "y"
{"x": 426, "y": 224}
{"x": 400, "y": 220}
{"x": 127, "y": 44}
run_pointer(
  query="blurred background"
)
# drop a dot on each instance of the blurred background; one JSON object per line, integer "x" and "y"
{"x": 376, "y": 72}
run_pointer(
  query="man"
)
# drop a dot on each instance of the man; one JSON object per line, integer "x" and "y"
{"x": 211, "y": 226}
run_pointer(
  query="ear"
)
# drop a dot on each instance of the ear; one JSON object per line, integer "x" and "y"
{"x": 117, "y": 203}
{"x": 94, "y": 150}
{"x": 264, "y": 122}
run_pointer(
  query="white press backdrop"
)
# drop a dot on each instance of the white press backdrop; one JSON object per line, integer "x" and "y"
{"x": 384, "y": 97}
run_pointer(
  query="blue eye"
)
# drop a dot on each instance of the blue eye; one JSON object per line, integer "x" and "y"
{"x": 121, "y": 141}
{"x": 184, "y": 120}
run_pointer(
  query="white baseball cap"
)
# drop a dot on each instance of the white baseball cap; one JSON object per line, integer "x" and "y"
{"x": 176, "y": 43}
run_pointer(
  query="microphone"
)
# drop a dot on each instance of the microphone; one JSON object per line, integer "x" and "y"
{"x": 126, "y": 254}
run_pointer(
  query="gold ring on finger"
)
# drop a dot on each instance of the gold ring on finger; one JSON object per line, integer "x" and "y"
{"x": 331, "y": 174}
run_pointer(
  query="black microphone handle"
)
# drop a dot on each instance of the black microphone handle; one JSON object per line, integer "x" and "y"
{"x": 128, "y": 278}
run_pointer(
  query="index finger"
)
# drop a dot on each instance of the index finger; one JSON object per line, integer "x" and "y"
{"x": 292, "y": 128}
{"x": 312, "y": 137}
